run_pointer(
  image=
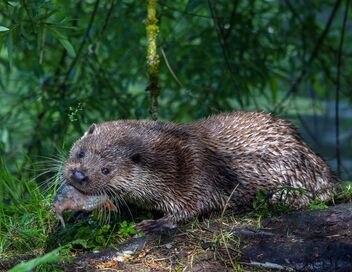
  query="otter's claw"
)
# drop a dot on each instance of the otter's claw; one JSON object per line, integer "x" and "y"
{"x": 155, "y": 226}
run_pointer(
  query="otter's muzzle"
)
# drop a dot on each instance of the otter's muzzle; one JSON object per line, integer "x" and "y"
{"x": 79, "y": 177}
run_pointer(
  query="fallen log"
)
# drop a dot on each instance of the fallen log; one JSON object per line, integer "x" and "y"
{"x": 301, "y": 241}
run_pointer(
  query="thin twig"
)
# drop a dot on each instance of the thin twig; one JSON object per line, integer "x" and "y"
{"x": 294, "y": 11}
{"x": 190, "y": 13}
{"x": 312, "y": 57}
{"x": 42, "y": 47}
{"x": 187, "y": 90}
{"x": 232, "y": 22}
{"x": 84, "y": 40}
{"x": 226, "y": 56}
{"x": 268, "y": 265}
{"x": 221, "y": 230}
{"x": 107, "y": 18}
{"x": 29, "y": 15}
{"x": 170, "y": 69}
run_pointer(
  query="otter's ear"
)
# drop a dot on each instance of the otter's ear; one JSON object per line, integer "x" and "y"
{"x": 93, "y": 128}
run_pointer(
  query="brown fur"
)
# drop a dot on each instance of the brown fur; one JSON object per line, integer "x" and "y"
{"x": 189, "y": 169}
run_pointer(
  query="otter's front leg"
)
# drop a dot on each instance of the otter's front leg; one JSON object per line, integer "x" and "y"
{"x": 159, "y": 225}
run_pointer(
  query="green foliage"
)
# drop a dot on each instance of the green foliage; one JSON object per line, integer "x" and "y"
{"x": 264, "y": 206}
{"x": 90, "y": 233}
{"x": 24, "y": 218}
{"x": 345, "y": 194}
{"x": 3, "y": 29}
{"x": 26, "y": 221}
{"x": 317, "y": 206}
{"x": 217, "y": 56}
{"x": 48, "y": 258}
{"x": 28, "y": 226}
{"x": 126, "y": 228}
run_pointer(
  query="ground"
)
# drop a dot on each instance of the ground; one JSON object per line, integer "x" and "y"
{"x": 319, "y": 240}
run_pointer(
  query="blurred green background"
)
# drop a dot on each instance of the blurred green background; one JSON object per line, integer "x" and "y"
{"x": 65, "y": 64}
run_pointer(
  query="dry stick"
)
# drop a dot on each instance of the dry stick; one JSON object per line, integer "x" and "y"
{"x": 337, "y": 91}
{"x": 171, "y": 70}
{"x": 152, "y": 57}
{"x": 42, "y": 47}
{"x": 312, "y": 57}
{"x": 173, "y": 74}
{"x": 268, "y": 265}
{"x": 221, "y": 230}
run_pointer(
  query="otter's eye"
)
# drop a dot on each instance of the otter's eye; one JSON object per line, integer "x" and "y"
{"x": 105, "y": 171}
{"x": 136, "y": 158}
{"x": 81, "y": 154}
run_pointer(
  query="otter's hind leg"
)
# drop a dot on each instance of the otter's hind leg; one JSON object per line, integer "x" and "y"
{"x": 165, "y": 223}
{"x": 156, "y": 226}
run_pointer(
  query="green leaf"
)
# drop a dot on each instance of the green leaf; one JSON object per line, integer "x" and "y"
{"x": 50, "y": 257}
{"x": 57, "y": 34}
{"x": 3, "y": 29}
{"x": 1, "y": 41}
{"x": 64, "y": 41}
{"x": 68, "y": 46}
{"x": 10, "y": 49}
{"x": 318, "y": 88}
{"x": 81, "y": 242}
{"x": 274, "y": 89}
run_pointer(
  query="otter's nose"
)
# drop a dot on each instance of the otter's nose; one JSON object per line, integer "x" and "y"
{"x": 79, "y": 177}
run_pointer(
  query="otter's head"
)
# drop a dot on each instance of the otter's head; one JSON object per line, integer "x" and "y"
{"x": 103, "y": 160}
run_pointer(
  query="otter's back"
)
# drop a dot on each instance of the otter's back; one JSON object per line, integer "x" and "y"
{"x": 266, "y": 152}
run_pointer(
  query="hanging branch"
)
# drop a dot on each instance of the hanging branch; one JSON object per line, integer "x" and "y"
{"x": 152, "y": 57}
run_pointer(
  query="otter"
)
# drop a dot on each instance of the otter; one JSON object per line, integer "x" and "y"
{"x": 184, "y": 170}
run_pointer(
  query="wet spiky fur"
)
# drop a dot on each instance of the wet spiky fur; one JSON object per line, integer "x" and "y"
{"x": 189, "y": 169}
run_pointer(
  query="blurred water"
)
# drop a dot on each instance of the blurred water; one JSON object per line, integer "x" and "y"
{"x": 319, "y": 132}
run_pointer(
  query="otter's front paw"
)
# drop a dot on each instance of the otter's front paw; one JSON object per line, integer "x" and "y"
{"x": 155, "y": 226}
